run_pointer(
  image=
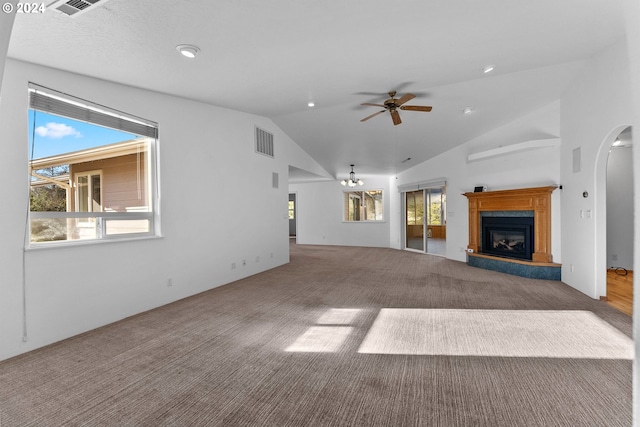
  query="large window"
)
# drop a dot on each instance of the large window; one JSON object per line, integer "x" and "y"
{"x": 363, "y": 205}
{"x": 92, "y": 171}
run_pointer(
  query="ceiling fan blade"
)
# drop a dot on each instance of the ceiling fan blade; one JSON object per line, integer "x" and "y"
{"x": 373, "y": 115}
{"x": 373, "y": 105}
{"x": 404, "y": 98}
{"x": 416, "y": 108}
{"x": 395, "y": 116}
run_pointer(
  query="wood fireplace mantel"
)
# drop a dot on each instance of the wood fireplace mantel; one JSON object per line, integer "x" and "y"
{"x": 536, "y": 199}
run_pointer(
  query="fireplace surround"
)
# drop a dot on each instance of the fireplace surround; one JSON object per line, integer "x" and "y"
{"x": 536, "y": 202}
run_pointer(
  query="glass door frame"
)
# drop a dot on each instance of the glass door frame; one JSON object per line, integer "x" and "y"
{"x": 426, "y": 193}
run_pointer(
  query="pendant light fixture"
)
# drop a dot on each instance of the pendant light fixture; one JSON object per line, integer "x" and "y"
{"x": 352, "y": 181}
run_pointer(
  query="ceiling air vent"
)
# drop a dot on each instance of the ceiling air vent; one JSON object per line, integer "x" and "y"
{"x": 264, "y": 142}
{"x": 75, "y": 7}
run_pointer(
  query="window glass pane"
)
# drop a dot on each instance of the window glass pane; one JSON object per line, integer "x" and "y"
{"x": 114, "y": 227}
{"x": 373, "y": 205}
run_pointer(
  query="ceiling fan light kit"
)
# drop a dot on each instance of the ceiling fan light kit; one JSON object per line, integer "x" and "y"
{"x": 393, "y": 104}
{"x": 352, "y": 181}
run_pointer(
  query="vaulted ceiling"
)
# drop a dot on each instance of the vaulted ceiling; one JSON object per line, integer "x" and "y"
{"x": 273, "y": 57}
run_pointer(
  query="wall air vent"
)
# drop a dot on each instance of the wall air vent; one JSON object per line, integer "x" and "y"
{"x": 75, "y": 8}
{"x": 264, "y": 142}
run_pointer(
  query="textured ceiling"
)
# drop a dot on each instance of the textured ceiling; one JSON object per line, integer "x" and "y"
{"x": 272, "y": 57}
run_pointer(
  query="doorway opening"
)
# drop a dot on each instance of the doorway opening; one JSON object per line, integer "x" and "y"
{"x": 620, "y": 223}
{"x": 292, "y": 216}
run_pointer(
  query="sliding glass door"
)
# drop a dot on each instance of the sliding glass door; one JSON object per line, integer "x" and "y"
{"x": 436, "y": 222}
{"x": 425, "y": 221}
{"x": 414, "y": 220}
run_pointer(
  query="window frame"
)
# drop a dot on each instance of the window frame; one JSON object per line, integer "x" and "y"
{"x": 362, "y": 214}
{"x": 101, "y": 218}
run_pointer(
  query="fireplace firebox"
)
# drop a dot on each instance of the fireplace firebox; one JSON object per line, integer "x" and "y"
{"x": 510, "y": 237}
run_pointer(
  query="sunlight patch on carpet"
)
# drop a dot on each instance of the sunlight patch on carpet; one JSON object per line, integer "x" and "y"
{"x": 499, "y": 333}
{"x": 338, "y": 316}
{"x": 321, "y": 339}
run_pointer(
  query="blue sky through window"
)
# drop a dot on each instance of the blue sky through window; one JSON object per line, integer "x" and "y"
{"x": 58, "y": 135}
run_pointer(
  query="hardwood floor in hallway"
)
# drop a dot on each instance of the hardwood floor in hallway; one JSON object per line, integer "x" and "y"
{"x": 620, "y": 290}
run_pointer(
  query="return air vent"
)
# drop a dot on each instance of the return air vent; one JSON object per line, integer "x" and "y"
{"x": 75, "y": 7}
{"x": 264, "y": 142}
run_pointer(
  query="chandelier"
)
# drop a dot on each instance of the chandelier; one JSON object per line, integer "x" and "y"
{"x": 352, "y": 181}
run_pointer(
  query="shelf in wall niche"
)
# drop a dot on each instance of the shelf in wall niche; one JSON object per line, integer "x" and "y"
{"x": 514, "y": 148}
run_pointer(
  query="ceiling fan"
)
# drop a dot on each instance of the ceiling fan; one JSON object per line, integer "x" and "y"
{"x": 393, "y": 104}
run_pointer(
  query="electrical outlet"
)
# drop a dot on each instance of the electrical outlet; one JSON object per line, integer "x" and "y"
{"x": 170, "y": 282}
{"x": 244, "y": 262}
{"x": 271, "y": 254}
{"x": 233, "y": 265}
{"x": 614, "y": 257}
{"x": 257, "y": 259}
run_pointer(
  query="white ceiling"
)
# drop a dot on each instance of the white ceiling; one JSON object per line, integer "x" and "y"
{"x": 271, "y": 57}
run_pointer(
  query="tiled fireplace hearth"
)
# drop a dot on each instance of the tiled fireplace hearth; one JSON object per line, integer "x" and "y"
{"x": 510, "y": 231}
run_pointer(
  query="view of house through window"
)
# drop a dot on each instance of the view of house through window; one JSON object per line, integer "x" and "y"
{"x": 363, "y": 205}
{"x": 91, "y": 170}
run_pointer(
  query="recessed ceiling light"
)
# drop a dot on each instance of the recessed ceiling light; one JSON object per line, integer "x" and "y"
{"x": 188, "y": 50}
{"x": 488, "y": 68}
{"x": 467, "y": 110}
{"x": 311, "y": 104}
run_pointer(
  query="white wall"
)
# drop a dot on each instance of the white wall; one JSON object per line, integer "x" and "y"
{"x": 6, "y": 25}
{"x": 632, "y": 14}
{"x": 217, "y": 207}
{"x": 620, "y": 208}
{"x": 594, "y": 110}
{"x": 320, "y": 207}
{"x": 534, "y": 168}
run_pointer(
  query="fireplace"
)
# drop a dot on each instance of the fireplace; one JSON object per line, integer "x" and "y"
{"x": 530, "y": 205}
{"x": 510, "y": 237}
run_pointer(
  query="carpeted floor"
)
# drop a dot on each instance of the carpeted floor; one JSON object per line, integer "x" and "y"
{"x": 321, "y": 342}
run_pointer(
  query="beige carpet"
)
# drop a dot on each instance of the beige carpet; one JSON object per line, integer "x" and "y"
{"x": 339, "y": 337}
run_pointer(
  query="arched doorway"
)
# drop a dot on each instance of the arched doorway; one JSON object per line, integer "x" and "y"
{"x": 614, "y": 227}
